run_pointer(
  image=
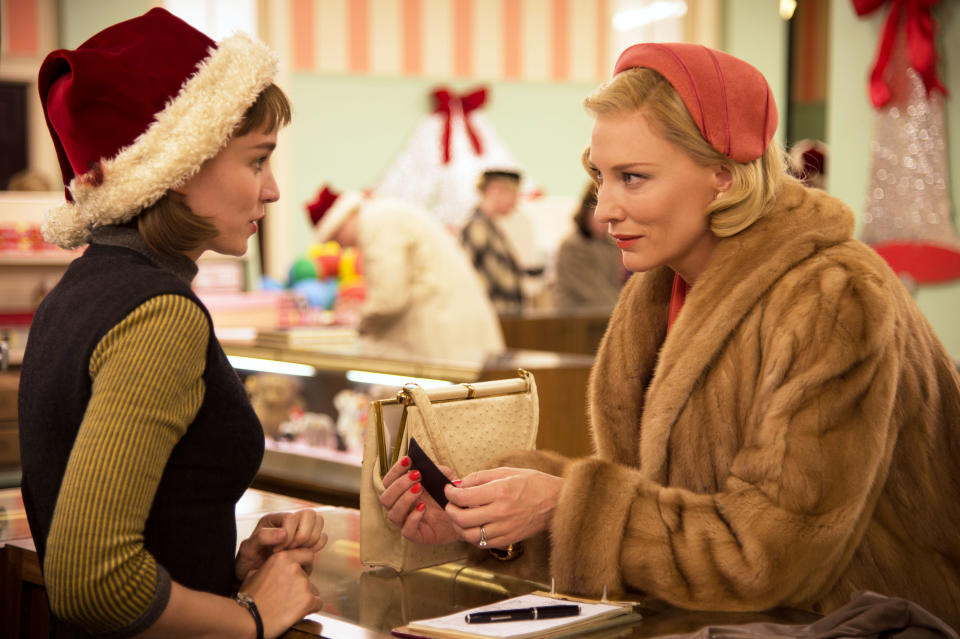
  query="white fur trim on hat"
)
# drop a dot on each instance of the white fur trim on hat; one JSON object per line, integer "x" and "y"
{"x": 345, "y": 204}
{"x": 191, "y": 129}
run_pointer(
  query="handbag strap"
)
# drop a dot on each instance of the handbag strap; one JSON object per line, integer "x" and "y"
{"x": 438, "y": 442}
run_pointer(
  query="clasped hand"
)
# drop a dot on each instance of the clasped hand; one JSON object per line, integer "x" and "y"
{"x": 511, "y": 504}
{"x": 274, "y": 565}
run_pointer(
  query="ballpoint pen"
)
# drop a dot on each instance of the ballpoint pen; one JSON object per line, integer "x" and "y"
{"x": 524, "y": 614}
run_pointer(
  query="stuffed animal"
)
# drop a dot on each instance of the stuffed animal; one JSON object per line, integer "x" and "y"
{"x": 274, "y": 398}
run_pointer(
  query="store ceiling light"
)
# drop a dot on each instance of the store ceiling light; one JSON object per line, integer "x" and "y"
{"x": 627, "y": 19}
{"x": 787, "y": 7}
{"x": 383, "y": 379}
{"x": 270, "y": 366}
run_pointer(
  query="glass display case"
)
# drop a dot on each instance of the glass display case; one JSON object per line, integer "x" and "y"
{"x": 313, "y": 402}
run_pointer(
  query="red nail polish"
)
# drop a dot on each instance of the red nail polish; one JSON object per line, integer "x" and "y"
{"x": 414, "y": 475}
{"x": 405, "y": 461}
{"x": 421, "y": 506}
{"x": 457, "y": 482}
{"x": 415, "y": 489}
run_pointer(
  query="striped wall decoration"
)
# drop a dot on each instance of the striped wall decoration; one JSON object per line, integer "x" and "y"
{"x": 19, "y": 28}
{"x": 551, "y": 40}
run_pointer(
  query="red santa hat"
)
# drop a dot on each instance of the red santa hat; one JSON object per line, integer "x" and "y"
{"x": 729, "y": 99}
{"x": 330, "y": 210}
{"x": 137, "y": 109}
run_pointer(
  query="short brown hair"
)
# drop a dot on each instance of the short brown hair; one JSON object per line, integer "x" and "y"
{"x": 169, "y": 226}
{"x": 497, "y": 175}
{"x": 755, "y": 183}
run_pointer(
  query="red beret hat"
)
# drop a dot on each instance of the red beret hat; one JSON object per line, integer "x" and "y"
{"x": 135, "y": 111}
{"x": 729, "y": 99}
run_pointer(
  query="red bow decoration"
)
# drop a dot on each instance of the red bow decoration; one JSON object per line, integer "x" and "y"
{"x": 444, "y": 102}
{"x": 920, "y": 43}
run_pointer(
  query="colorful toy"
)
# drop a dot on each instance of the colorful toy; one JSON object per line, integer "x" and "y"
{"x": 302, "y": 269}
{"x": 327, "y": 273}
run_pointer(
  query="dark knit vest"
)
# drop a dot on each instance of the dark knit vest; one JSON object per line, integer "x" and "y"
{"x": 191, "y": 529}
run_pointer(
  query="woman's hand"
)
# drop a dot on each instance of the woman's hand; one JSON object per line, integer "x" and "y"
{"x": 282, "y": 591}
{"x": 411, "y": 509}
{"x": 302, "y": 529}
{"x": 511, "y": 504}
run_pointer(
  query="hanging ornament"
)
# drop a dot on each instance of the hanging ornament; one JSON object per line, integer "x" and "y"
{"x": 907, "y": 218}
{"x": 448, "y": 149}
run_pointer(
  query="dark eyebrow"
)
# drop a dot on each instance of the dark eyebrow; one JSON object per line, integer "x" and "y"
{"x": 267, "y": 146}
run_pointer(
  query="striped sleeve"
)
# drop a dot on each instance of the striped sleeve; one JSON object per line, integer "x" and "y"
{"x": 147, "y": 388}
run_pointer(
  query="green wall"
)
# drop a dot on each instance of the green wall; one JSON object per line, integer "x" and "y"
{"x": 80, "y": 19}
{"x": 850, "y": 118}
{"x": 348, "y": 130}
{"x": 754, "y": 31}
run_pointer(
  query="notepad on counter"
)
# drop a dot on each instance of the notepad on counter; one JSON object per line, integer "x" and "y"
{"x": 594, "y": 615}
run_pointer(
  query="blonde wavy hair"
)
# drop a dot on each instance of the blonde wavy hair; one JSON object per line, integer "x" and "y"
{"x": 755, "y": 183}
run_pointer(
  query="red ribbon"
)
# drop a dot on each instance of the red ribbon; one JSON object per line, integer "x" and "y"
{"x": 444, "y": 102}
{"x": 920, "y": 43}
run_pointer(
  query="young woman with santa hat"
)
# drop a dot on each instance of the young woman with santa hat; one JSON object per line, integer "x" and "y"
{"x": 136, "y": 434}
{"x": 774, "y": 419}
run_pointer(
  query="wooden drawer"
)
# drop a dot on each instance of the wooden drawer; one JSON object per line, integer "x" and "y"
{"x": 9, "y": 444}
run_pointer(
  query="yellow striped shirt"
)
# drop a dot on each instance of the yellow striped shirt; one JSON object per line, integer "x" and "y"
{"x": 147, "y": 388}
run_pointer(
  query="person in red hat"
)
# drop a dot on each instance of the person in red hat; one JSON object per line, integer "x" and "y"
{"x": 136, "y": 435}
{"x": 775, "y": 422}
{"x": 422, "y": 294}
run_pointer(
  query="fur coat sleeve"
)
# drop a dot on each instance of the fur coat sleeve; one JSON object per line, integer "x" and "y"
{"x": 773, "y": 448}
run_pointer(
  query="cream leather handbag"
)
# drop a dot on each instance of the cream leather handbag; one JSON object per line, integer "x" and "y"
{"x": 463, "y": 426}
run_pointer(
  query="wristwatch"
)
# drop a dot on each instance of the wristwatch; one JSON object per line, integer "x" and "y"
{"x": 247, "y": 602}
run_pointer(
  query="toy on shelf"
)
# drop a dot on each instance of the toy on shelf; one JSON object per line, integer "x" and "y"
{"x": 274, "y": 398}
{"x": 327, "y": 275}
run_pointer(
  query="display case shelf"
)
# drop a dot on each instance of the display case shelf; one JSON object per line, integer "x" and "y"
{"x": 334, "y": 476}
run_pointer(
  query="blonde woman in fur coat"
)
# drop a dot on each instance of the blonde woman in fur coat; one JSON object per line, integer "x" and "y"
{"x": 775, "y": 422}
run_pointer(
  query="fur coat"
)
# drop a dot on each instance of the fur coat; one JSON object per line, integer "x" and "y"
{"x": 422, "y": 295}
{"x": 793, "y": 439}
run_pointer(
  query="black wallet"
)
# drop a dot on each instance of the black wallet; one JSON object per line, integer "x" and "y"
{"x": 432, "y": 479}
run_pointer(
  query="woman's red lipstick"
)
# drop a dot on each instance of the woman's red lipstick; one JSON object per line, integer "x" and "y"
{"x": 626, "y": 241}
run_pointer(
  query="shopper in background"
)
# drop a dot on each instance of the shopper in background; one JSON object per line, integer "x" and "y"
{"x": 809, "y": 160}
{"x": 774, "y": 419}
{"x": 488, "y": 247}
{"x": 422, "y": 297}
{"x": 588, "y": 270}
{"x": 136, "y": 435}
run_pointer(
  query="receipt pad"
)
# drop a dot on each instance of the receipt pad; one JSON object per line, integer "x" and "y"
{"x": 432, "y": 479}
